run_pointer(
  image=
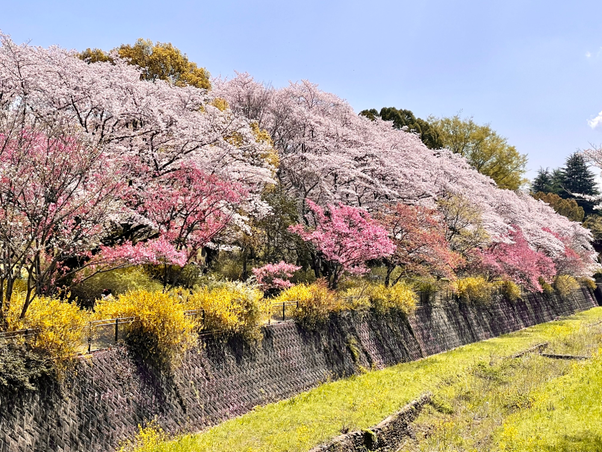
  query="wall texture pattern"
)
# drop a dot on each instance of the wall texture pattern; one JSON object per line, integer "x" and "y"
{"x": 104, "y": 399}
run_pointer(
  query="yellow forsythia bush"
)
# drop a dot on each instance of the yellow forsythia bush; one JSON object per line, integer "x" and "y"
{"x": 61, "y": 325}
{"x": 235, "y": 308}
{"x": 316, "y": 302}
{"x": 160, "y": 329}
{"x": 400, "y": 296}
{"x": 356, "y": 298}
{"x": 473, "y": 289}
{"x": 509, "y": 289}
{"x": 590, "y": 283}
{"x": 565, "y": 285}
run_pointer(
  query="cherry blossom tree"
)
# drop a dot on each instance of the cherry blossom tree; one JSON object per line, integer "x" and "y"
{"x": 329, "y": 154}
{"x": 346, "y": 238}
{"x": 55, "y": 195}
{"x": 421, "y": 246}
{"x": 275, "y": 277}
{"x": 517, "y": 262}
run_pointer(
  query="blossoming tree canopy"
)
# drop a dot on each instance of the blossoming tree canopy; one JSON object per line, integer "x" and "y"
{"x": 421, "y": 247}
{"x": 329, "y": 154}
{"x": 88, "y": 148}
{"x": 347, "y": 237}
{"x": 55, "y": 196}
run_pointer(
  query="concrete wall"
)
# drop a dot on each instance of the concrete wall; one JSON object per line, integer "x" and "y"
{"x": 106, "y": 396}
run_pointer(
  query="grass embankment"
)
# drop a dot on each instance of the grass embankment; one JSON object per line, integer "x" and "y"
{"x": 482, "y": 399}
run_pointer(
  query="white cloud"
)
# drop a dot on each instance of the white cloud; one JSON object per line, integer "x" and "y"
{"x": 596, "y": 122}
{"x": 588, "y": 55}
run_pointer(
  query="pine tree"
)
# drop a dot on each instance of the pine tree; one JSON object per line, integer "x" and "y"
{"x": 577, "y": 180}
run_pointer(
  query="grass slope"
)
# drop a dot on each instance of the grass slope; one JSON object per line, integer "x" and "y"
{"x": 476, "y": 391}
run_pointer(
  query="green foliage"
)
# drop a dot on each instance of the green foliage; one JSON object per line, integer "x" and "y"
{"x": 473, "y": 289}
{"x": 485, "y": 150}
{"x": 547, "y": 181}
{"x": 574, "y": 179}
{"x": 580, "y": 180}
{"x": 158, "y": 61}
{"x": 117, "y": 281}
{"x": 594, "y": 224}
{"x": 234, "y": 308}
{"x": 21, "y": 368}
{"x": 160, "y": 331}
{"x": 465, "y": 230}
{"x": 565, "y": 285}
{"x": 406, "y": 119}
{"x": 566, "y": 207}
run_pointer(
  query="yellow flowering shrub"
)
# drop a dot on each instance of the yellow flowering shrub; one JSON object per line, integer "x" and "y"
{"x": 61, "y": 326}
{"x": 473, "y": 289}
{"x": 160, "y": 330}
{"x": 565, "y": 285}
{"x": 356, "y": 298}
{"x": 235, "y": 308}
{"x": 509, "y": 289}
{"x": 587, "y": 282}
{"x": 400, "y": 296}
{"x": 148, "y": 439}
{"x": 546, "y": 287}
{"x": 315, "y": 302}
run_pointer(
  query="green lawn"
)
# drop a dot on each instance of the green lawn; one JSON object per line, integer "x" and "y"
{"x": 480, "y": 398}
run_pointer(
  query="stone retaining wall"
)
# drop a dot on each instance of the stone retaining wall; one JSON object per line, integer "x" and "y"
{"x": 110, "y": 393}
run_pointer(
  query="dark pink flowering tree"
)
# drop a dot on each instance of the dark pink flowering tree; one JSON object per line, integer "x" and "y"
{"x": 55, "y": 196}
{"x": 275, "y": 277}
{"x": 345, "y": 237}
{"x": 517, "y": 262}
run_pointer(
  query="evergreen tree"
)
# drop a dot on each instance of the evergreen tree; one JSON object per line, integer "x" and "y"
{"x": 578, "y": 179}
{"x": 543, "y": 182}
{"x": 405, "y": 118}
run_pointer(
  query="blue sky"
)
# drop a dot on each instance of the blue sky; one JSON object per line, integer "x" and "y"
{"x": 531, "y": 69}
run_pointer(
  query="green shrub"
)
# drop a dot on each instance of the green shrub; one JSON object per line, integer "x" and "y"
{"x": 234, "y": 308}
{"x": 546, "y": 287}
{"x": 22, "y": 368}
{"x": 160, "y": 330}
{"x": 117, "y": 281}
{"x": 565, "y": 285}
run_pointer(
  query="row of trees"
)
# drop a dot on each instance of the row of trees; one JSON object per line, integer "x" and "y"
{"x": 485, "y": 150}
{"x": 105, "y": 164}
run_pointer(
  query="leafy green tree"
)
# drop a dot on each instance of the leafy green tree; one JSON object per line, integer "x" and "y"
{"x": 566, "y": 207}
{"x": 405, "y": 118}
{"x": 485, "y": 150}
{"x": 160, "y": 61}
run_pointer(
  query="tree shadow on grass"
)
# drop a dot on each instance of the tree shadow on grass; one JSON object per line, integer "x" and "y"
{"x": 581, "y": 442}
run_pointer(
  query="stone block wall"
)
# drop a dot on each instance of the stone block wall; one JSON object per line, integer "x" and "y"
{"x": 104, "y": 399}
